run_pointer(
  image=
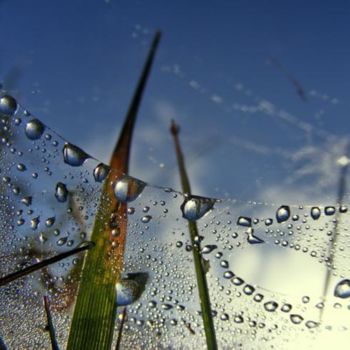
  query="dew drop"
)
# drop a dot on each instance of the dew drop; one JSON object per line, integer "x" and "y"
{"x": 208, "y": 248}
{"x": 238, "y": 319}
{"x": 34, "y": 129}
{"x": 296, "y": 319}
{"x": 253, "y": 239}
{"x": 146, "y": 219}
{"x": 100, "y": 172}
{"x": 130, "y": 288}
{"x": 244, "y": 221}
{"x": 283, "y": 213}
{"x": 8, "y": 105}
{"x": 329, "y": 210}
{"x": 73, "y": 155}
{"x": 311, "y": 324}
{"x": 62, "y": 241}
{"x": 127, "y": 189}
{"x": 342, "y": 289}
{"x": 61, "y": 192}
{"x": 268, "y": 222}
{"x": 315, "y": 212}
{"x": 228, "y": 274}
{"x": 271, "y": 306}
{"x": 194, "y": 207}
{"x": 50, "y": 221}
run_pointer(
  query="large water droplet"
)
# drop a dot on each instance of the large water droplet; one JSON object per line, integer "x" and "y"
{"x": 8, "y": 105}
{"x": 342, "y": 289}
{"x": 127, "y": 188}
{"x": 315, "y": 212}
{"x": 283, "y": 213}
{"x": 34, "y": 129}
{"x": 208, "y": 248}
{"x": 73, "y": 155}
{"x": 61, "y": 192}
{"x": 100, "y": 172}
{"x": 130, "y": 288}
{"x": 244, "y": 221}
{"x": 194, "y": 207}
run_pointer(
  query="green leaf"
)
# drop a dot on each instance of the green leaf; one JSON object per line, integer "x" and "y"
{"x": 95, "y": 310}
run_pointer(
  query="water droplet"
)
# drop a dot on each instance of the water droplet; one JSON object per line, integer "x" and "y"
{"x": 311, "y": 324}
{"x": 238, "y": 319}
{"x": 130, "y": 288}
{"x": 253, "y": 239}
{"x": 228, "y": 274}
{"x": 147, "y": 218}
{"x": 128, "y": 188}
{"x": 34, "y": 223}
{"x": 61, "y": 192}
{"x": 248, "y": 289}
{"x": 343, "y": 209}
{"x": 8, "y": 105}
{"x": 100, "y": 172}
{"x": 224, "y": 264}
{"x": 73, "y": 155}
{"x": 268, "y": 222}
{"x": 296, "y": 319}
{"x": 62, "y": 241}
{"x": 50, "y": 221}
{"x": 34, "y": 129}
{"x": 26, "y": 201}
{"x": 244, "y": 221}
{"x": 271, "y": 306}
{"x": 283, "y": 213}
{"x": 329, "y": 210}
{"x": 194, "y": 207}
{"x": 286, "y": 307}
{"x": 237, "y": 281}
{"x": 21, "y": 167}
{"x": 342, "y": 289}
{"x": 208, "y": 248}
{"x": 315, "y": 212}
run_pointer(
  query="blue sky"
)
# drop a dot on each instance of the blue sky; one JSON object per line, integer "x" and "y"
{"x": 78, "y": 63}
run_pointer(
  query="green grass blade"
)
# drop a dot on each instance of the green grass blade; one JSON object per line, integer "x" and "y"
{"x": 50, "y": 327}
{"x": 95, "y": 310}
{"x": 197, "y": 258}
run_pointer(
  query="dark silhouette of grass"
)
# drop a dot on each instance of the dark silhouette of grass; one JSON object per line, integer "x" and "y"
{"x": 50, "y": 327}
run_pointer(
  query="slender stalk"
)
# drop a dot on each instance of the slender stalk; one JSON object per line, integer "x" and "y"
{"x": 30, "y": 269}
{"x": 51, "y": 329}
{"x": 197, "y": 258}
{"x": 95, "y": 310}
{"x": 120, "y": 333}
{"x": 331, "y": 250}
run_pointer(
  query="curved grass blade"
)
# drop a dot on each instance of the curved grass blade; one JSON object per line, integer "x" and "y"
{"x": 197, "y": 258}
{"x": 26, "y": 271}
{"x": 95, "y": 310}
{"x": 50, "y": 327}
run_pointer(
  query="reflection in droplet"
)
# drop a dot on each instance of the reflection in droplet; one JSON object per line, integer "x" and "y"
{"x": 208, "y": 248}
{"x": 315, "y": 212}
{"x": 100, "y": 172}
{"x": 127, "y": 188}
{"x": 61, "y": 192}
{"x": 8, "y": 105}
{"x": 146, "y": 219}
{"x": 282, "y": 213}
{"x": 130, "y": 288}
{"x": 34, "y": 129}
{"x": 194, "y": 207}
{"x": 342, "y": 289}
{"x": 73, "y": 155}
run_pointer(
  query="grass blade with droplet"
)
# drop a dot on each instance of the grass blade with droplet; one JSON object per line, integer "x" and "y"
{"x": 95, "y": 310}
{"x": 197, "y": 258}
{"x": 120, "y": 333}
{"x": 50, "y": 327}
{"x": 30, "y": 269}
